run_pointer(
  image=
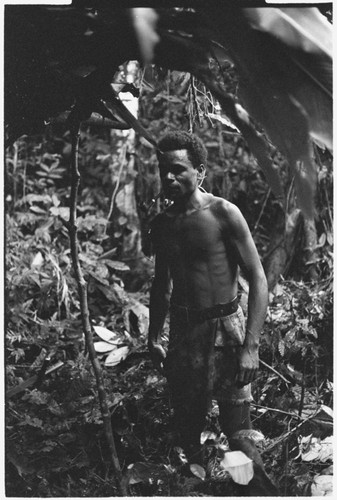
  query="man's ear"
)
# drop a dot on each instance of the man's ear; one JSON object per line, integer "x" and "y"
{"x": 201, "y": 170}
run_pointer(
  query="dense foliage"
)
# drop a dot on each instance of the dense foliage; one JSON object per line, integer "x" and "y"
{"x": 55, "y": 445}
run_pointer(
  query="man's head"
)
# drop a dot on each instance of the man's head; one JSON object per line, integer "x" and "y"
{"x": 173, "y": 141}
{"x": 182, "y": 158}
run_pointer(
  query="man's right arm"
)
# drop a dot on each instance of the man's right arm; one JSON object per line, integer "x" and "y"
{"x": 159, "y": 306}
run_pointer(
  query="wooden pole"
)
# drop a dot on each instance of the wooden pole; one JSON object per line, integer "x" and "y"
{"x": 83, "y": 297}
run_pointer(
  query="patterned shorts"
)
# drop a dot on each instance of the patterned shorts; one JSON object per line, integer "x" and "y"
{"x": 202, "y": 358}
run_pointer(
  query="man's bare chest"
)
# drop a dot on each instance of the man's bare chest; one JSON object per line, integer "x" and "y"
{"x": 197, "y": 235}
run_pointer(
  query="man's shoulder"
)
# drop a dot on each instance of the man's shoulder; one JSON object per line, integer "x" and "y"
{"x": 225, "y": 209}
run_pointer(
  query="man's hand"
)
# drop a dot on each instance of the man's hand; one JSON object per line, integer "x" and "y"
{"x": 248, "y": 365}
{"x": 158, "y": 354}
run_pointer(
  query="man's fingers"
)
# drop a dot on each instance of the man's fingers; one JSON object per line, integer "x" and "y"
{"x": 243, "y": 378}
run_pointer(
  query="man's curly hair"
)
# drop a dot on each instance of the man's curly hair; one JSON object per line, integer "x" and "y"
{"x": 171, "y": 141}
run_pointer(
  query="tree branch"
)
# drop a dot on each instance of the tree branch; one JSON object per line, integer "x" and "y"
{"x": 95, "y": 119}
{"x": 82, "y": 290}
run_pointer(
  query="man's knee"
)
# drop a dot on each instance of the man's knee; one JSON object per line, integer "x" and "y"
{"x": 234, "y": 416}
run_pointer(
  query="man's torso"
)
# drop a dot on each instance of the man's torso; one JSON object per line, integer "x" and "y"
{"x": 200, "y": 255}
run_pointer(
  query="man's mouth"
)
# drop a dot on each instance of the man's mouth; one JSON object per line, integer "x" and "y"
{"x": 171, "y": 190}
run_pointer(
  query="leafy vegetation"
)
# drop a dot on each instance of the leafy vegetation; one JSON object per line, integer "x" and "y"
{"x": 80, "y": 81}
{"x": 55, "y": 444}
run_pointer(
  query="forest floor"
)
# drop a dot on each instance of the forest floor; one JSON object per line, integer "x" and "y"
{"x": 55, "y": 445}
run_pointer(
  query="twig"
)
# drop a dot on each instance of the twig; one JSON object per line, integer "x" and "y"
{"x": 277, "y": 411}
{"x": 261, "y": 212}
{"x": 195, "y": 100}
{"x": 82, "y": 290}
{"x": 95, "y": 119}
{"x": 275, "y": 371}
{"x": 285, "y": 436}
{"x": 123, "y": 160}
{"x": 31, "y": 381}
{"x": 300, "y": 409}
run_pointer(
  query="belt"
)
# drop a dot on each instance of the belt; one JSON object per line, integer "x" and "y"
{"x": 198, "y": 316}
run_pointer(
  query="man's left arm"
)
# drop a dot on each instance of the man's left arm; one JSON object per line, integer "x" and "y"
{"x": 250, "y": 263}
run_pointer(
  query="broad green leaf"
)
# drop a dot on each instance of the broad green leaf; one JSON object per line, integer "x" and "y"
{"x": 141, "y": 472}
{"x": 204, "y": 436}
{"x": 116, "y": 356}
{"x": 181, "y": 454}
{"x": 322, "y": 486}
{"x": 105, "y": 334}
{"x": 60, "y": 212}
{"x": 37, "y": 210}
{"x": 104, "y": 346}
{"x": 326, "y": 452}
{"x": 32, "y": 421}
{"x": 252, "y": 434}
{"x": 144, "y": 22}
{"x": 325, "y": 413}
{"x": 297, "y": 27}
{"x": 313, "y": 448}
{"x": 281, "y": 347}
{"x": 98, "y": 278}
{"x": 239, "y": 466}
{"x": 117, "y": 265}
{"x": 285, "y": 89}
{"x": 55, "y": 200}
{"x": 223, "y": 120}
{"x": 38, "y": 260}
{"x": 198, "y": 471}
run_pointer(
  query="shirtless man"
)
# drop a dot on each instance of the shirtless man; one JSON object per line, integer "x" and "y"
{"x": 199, "y": 243}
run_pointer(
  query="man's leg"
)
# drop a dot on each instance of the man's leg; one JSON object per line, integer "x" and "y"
{"x": 189, "y": 420}
{"x": 186, "y": 368}
{"x": 235, "y": 417}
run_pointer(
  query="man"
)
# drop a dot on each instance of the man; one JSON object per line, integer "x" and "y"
{"x": 199, "y": 243}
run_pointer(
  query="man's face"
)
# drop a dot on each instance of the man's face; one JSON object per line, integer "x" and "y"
{"x": 177, "y": 174}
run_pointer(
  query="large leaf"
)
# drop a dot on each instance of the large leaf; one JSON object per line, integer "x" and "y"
{"x": 252, "y": 434}
{"x": 322, "y": 486}
{"x": 198, "y": 471}
{"x": 313, "y": 448}
{"x": 239, "y": 466}
{"x": 116, "y": 265}
{"x": 105, "y": 334}
{"x": 104, "y": 347}
{"x": 144, "y": 23}
{"x": 285, "y": 88}
{"x": 116, "y": 356}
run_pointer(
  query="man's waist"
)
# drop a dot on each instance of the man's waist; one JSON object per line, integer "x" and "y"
{"x": 191, "y": 315}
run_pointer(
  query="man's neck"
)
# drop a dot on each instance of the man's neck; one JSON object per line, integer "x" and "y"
{"x": 195, "y": 201}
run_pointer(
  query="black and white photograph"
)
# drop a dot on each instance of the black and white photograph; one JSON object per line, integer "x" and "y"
{"x": 168, "y": 248}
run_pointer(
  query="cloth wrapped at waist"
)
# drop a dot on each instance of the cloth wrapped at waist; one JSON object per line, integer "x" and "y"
{"x": 189, "y": 315}
{"x": 203, "y": 349}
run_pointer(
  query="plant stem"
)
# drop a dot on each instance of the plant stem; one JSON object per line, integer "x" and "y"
{"x": 122, "y": 165}
{"x": 274, "y": 371}
{"x": 83, "y": 297}
{"x": 302, "y": 389}
{"x": 261, "y": 213}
